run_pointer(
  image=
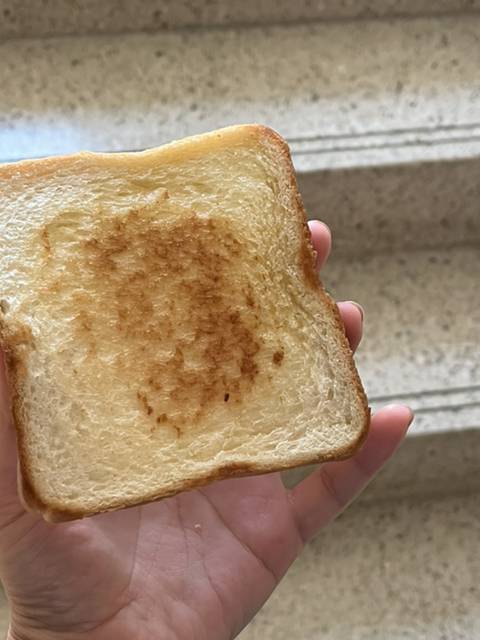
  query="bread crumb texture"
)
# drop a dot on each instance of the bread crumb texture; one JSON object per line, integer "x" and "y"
{"x": 170, "y": 291}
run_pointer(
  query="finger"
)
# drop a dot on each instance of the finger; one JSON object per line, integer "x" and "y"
{"x": 352, "y": 316}
{"x": 328, "y": 490}
{"x": 321, "y": 240}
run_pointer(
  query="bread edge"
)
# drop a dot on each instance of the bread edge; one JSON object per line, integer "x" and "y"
{"x": 15, "y": 360}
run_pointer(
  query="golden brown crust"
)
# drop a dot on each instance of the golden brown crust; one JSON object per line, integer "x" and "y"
{"x": 25, "y": 172}
{"x": 15, "y": 344}
{"x": 57, "y": 513}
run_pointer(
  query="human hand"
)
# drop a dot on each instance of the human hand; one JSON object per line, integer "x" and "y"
{"x": 197, "y": 566}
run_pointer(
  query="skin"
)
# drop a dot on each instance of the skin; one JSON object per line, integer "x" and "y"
{"x": 196, "y": 566}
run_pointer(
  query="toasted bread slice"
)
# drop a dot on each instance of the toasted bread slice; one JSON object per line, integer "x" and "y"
{"x": 164, "y": 325}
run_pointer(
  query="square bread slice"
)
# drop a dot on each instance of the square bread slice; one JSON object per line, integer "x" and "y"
{"x": 164, "y": 325}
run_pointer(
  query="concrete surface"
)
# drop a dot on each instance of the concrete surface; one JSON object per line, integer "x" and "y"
{"x": 31, "y": 18}
{"x": 320, "y": 85}
{"x": 404, "y": 571}
{"x": 383, "y": 117}
{"x": 397, "y": 207}
{"x": 351, "y": 108}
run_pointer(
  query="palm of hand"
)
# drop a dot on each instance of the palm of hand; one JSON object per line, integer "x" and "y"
{"x": 198, "y": 565}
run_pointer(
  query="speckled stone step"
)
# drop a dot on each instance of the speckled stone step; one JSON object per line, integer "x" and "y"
{"x": 344, "y": 94}
{"x": 404, "y": 570}
{"x": 32, "y": 18}
{"x": 383, "y": 118}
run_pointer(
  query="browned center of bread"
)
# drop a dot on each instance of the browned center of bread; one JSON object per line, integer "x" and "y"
{"x": 171, "y": 296}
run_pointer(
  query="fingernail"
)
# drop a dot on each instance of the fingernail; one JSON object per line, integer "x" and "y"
{"x": 359, "y": 307}
{"x": 396, "y": 407}
{"x": 323, "y": 224}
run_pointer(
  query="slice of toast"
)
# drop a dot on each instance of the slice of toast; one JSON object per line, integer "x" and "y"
{"x": 164, "y": 325}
